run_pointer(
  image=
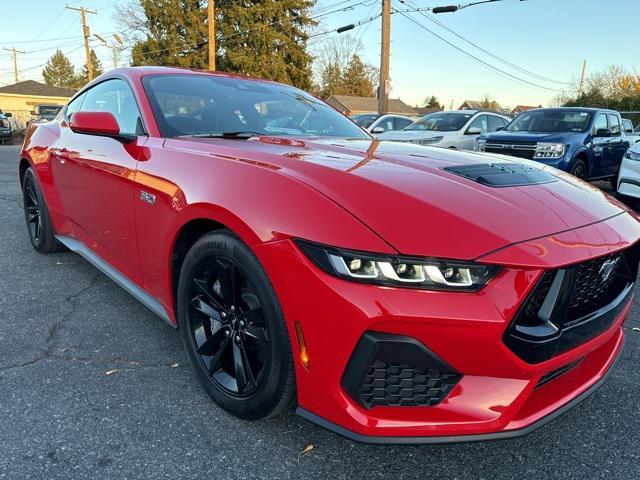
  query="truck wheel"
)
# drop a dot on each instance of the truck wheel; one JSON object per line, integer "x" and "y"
{"x": 579, "y": 169}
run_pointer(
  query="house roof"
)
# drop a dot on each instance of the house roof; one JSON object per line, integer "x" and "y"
{"x": 367, "y": 104}
{"x": 476, "y": 105}
{"x": 422, "y": 111}
{"x": 37, "y": 89}
{"x": 523, "y": 108}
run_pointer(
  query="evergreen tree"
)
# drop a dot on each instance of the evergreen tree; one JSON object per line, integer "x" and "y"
{"x": 431, "y": 102}
{"x": 357, "y": 79}
{"x": 83, "y": 77}
{"x": 59, "y": 71}
{"x": 261, "y": 38}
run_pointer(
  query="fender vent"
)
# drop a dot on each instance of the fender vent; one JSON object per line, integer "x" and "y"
{"x": 502, "y": 174}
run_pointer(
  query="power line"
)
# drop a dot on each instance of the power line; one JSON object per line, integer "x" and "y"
{"x": 496, "y": 57}
{"x": 499, "y": 70}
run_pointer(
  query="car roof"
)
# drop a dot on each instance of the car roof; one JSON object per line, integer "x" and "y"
{"x": 579, "y": 109}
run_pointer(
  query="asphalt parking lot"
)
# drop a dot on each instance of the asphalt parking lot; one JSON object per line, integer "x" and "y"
{"x": 92, "y": 385}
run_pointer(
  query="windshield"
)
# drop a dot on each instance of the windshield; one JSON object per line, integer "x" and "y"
{"x": 202, "y": 105}
{"x": 365, "y": 119}
{"x": 550, "y": 121}
{"x": 442, "y": 122}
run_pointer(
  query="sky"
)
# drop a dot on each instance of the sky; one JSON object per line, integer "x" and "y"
{"x": 547, "y": 38}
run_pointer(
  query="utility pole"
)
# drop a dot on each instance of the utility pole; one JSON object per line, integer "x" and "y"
{"x": 15, "y": 61}
{"x": 582, "y": 78}
{"x": 385, "y": 51}
{"x": 86, "y": 33}
{"x": 115, "y": 47}
{"x": 211, "y": 23}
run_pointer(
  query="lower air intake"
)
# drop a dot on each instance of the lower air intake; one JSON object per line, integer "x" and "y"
{"x": 397, "y": 371}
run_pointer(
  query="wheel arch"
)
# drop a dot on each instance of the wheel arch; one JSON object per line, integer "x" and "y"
{"x": 24, "y": 166}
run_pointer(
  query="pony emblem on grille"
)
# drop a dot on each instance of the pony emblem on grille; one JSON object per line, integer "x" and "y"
{"x": 607, "y": 269}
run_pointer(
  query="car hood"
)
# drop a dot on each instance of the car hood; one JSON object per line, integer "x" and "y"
{"x": 408, "y": 135}
{"x": 529, "y": 137}
{"x": 403, "y": 194}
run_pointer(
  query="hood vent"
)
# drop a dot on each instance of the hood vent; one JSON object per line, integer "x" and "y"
{"x": 502, "y": 174}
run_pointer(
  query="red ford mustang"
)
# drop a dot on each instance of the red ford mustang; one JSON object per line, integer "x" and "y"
{"x": 393, "y": 292}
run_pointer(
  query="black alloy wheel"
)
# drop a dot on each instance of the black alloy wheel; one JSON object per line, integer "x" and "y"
{"x": 233, "y": 328}
{"x": 228, "y": 328}
{"x": 33, "y": 213}
{"x": 36, "y": 214}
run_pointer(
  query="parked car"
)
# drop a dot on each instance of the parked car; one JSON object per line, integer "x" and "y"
{"x": 44, "y": 113}
{"x": 6, "y": 133}
{"x": 377, "y": 124}
{"x": 457, "y": 129}
{"x": 628, "y": 182}
{"x": 586, "y": 142}
{"x": 632, "y": 134}
{"x": 395, "y": 293}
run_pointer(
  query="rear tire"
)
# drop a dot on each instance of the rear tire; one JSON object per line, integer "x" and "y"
{"x": 233, "y": 328}
{"x": 36, "y": 214}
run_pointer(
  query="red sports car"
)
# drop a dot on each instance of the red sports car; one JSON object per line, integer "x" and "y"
{"x": 395, "y": 293}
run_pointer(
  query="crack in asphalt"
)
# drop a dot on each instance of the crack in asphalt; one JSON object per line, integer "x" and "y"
{"x": 52, "y": 335}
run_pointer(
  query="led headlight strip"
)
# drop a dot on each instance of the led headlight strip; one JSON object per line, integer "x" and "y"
{"x": 399, "y": 271}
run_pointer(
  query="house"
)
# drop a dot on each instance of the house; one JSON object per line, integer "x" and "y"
{"x": 422, "y": 111}
{"x": 350, "y": 105}
{"x": 20, "y": 98}
{"x": 476, "y": 105}
{"x": 522, "y": 108}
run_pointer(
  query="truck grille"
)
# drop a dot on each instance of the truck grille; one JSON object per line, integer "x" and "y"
{"x": 513, "y": 149}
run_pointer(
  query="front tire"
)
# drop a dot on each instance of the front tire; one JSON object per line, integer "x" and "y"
{"x": 579, "y": 169}
{"x": 36, "y": 214}
{"x": 233, "y": 328}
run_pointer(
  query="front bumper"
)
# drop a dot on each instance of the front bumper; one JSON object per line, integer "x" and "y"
{"x": 629, "y": 178}
{"x": 499, "y": 395}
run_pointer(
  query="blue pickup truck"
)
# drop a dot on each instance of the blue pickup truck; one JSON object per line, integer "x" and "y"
{"x": 587, "y": 142}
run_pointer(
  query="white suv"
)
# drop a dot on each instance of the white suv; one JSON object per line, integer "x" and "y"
{"x": 456, "y": 129}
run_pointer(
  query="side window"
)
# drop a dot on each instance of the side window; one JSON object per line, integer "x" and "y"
{"x": 627, "y": 125}
{"x": 115, "y": 96}
{"x": 495, "y": 123}
{"x": 600, "y": 123}
{"x": 74, "y": 105}
{"x": 401, "y": 123}
{"x": 386, "y": 124}
{"x": 481, "y": 122}
{"x": 614, "y": 124}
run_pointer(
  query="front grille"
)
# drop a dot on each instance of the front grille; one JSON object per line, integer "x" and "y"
{"x": 572, "y": 305}
{"x": 401, "y": 385}
{"x": 591, "y": 293}
{"x": 514, "y": 149}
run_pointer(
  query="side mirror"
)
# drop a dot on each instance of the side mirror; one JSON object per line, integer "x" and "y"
{"x": 378, "y": 130}
{"x": 603, "y": 132}
{"x": 499, "y": 129}
{"x": 33, "y": 112}
{"x": 8, "y": 114}
{"x": 474, "y": 131}
{"x": 97, "y": 123}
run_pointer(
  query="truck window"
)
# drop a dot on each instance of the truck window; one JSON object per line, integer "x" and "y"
{"x": 601, "y": 123}
{"x": 614, "y": 124}
{"x": 627, "y": 125}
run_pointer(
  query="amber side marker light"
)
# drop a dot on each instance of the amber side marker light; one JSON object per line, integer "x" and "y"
{"x": 304, "y": 356}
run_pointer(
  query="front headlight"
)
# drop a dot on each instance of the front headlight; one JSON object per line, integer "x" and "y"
{"x": 480, "y": 145}
{"x": 398, "y": 270}
{"x": 427, "y": 141}
{"x": 549, "y": 150}
{"x": 632, "y": 155}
